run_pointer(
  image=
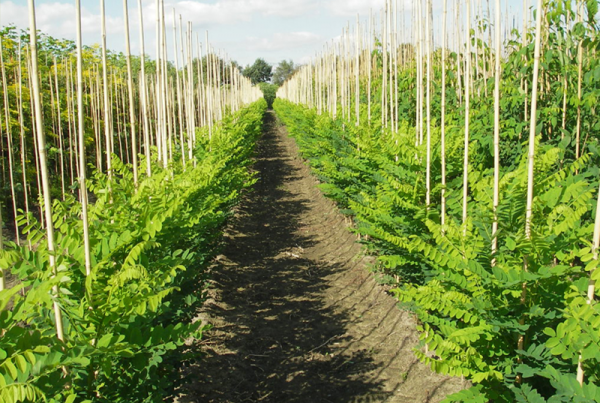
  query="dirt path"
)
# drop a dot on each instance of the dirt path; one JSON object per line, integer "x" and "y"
{"x": 297, "y": 317}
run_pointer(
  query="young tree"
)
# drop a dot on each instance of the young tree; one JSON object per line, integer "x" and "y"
{"x": 259, "y": 72}
{"x": 283, "y": 71}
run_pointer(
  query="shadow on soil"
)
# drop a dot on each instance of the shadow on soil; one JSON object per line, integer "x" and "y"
{"x": 274, "y": 335}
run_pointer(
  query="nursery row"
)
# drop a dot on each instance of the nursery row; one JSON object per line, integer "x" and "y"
{"x": 118, "y": 174}
{"x": 472, "y": 172}
{"x": 125, "y": 324}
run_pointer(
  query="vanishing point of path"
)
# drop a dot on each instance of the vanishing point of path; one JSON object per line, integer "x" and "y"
{"x": 297, "y": 316}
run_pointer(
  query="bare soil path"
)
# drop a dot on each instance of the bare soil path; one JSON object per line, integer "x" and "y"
{"x": 297, "y": 316}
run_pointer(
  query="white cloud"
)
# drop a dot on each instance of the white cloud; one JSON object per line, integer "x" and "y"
{"x": 305, "y": 60}
{"x": 350, "y": 8}
{"x": 280, "y": 41}
{"x": 227, "y": 11}
{"x": 10, "y": 13}
{"x": 285, "y": 8}
{"x": 58, "y": 19}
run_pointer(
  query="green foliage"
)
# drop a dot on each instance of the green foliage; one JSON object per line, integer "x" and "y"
{"x": 269, "y": 92}
{"x": 474, "y": 306}
{"x": 284, "y": 70}
{"x": 471, "y": 311}
{"x": 126, "y": 324}
{"x": 259, "y": 72}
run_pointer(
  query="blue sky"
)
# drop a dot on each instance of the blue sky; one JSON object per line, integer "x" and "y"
{"x": 243, "y": 29}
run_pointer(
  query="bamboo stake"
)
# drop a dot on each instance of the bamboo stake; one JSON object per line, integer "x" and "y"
{"x": 395, "y": 58}
{"x": 169, "y": 115}
{"x": 209, "y": 98}
{"x": 428, "y": 89}
{"x": 9, "y": 145}
{"x": 35, "y": 138}
{"x": 107, "y": 106}
{"x": 53, "y": 116}
{"x": 83, "y": 198}
{"x": 189, "y": 92}
{"x": 458, "y": 60}
{"x": 60, "y": 136}
{"x": 420, "y": 73}
{"x": 178, "y": 91}
{"x": 391, "y": 47}
{"x": 163, "y": 85}
{"x": 565, "y": 91}
{"x": 74, "y": 149}
{"x": 443, "y": 120}
{"x": 125, "y": 118}
{"x": 403, "y": 35}
{"x": 41, "y": 143}
{"x": 342, "y": 50}
{"x": 477, "y": 69}
{"x": 419, "y": 83}
{"x": 217, "y": 71}
{"x": 471, "y": 76}
{"x": 334, "y": 80}
{"x": 132, "y": 117}
{"x": 497, "y": 72}
{"x": 158, "y": 94}
{"x": 488, "y": 73}
{"x": 357, "y": 72}
{"x": 579, "y": 82}
{"x": 592, "y": 283}
{"x": 532, "y": 123}
{"x": 467, "y": 116}
{"x": 95, "y": 95}
{"x": 524, "y": 43}
{"x": 202, "y": 88}
{"x": 115, "y": 99}
{"x": 369, "y": 64}
{"x": 384, "y": 67}
{"x": 22, "y": 135}
{"x": 531, "y": 152}
{"x": 143, "y": 93}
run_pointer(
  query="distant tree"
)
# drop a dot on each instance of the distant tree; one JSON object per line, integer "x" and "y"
{"x": 259, "y": 72}
{"x": 269, "y": 92}
{"x": 236, "y": 65}
{"x": 283, "y": 71}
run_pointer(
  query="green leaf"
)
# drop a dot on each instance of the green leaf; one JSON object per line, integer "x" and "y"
{"x": 21, "y": 363}
{"x": 474, "y": 394}
{"x": 528, "y": 395}
{"x": 11, "y": 369}
{"x": 510, "y": 244}
{"x": 105, "y": 341}
{"x": 558, "y": 349}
